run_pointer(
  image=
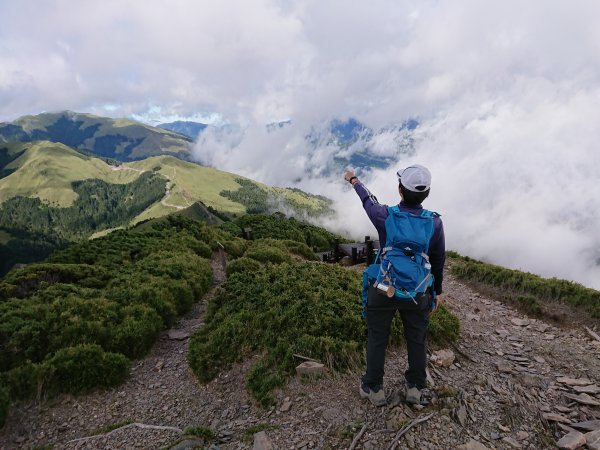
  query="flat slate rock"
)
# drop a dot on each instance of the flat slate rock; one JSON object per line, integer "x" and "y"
{"x": 571, "y": 441}
{"x": 178, "y": 335}
{"x": 556, "y": 418}
{"x": 520, "y": 322}
{"x": 593, "y": 440}
{"x": 574, "y": 381}
{"x": 588, "y": 425}
{"x": 472, "y": 445}
{"x": 583, "y": 399}
{"x": 592, "y": 389}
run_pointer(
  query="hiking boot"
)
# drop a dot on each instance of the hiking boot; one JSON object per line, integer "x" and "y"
{"x": 375, "y": 394}
{"x": 413, "y": 395}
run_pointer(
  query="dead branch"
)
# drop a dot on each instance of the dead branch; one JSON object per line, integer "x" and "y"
{"x": 358, "y": 436}
{"x": 307, "y": 358}
{"x": 592, "y": 333}
{"x": 405, "y": 430}
{"x": 463, "y": 353}
{"x": 130, "y": 425}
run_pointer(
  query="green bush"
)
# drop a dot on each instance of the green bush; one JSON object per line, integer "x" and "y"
{"x": 312, "y": 309}
{"x": 300, "y": 249}
{"x": 242, "y": 264}
{"x": 529, "y": 304}
{"x": 279, "y": 227}
{"x": 201, "y": 432}
{"x": 70, "y": 324}
{"x": 4, "y": 405}
{"x": 531, "y": 290}
{"x": 235, "y": 247}
{"x": 444, "y": 327}
{"x": 266, "y": 254}
{"x": 231, "y": 228}
{"x": 85, "y": 367}
{"x": 74, "y": 370}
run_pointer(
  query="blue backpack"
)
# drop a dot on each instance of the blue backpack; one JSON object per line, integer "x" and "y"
{"x": 401, "y": 269}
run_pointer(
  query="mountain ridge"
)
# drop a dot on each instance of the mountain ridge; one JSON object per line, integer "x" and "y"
{"x": 121, "y": 139}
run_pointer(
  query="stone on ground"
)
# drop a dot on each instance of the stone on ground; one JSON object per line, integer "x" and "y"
{"x": 593, "y": 440}
{"x": 443, "y": 358}
{"x": 472, "y": 445}
{"x": 310, "y": 368}
{"x": 262, "y": 442}
{"x": 571, "y": 441}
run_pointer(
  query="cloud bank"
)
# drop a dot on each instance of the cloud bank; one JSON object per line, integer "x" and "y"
{"x": 507, "y": 95}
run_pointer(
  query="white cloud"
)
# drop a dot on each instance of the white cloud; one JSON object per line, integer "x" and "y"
{"x": 508, "y": 95}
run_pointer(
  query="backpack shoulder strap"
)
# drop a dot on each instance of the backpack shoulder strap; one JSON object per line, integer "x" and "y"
{"x": 393, "y": 209}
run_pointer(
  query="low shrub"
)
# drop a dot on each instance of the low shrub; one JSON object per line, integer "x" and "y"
{"x": 231, "y": 228}
{"x": 77, "y": 369}
{"x": 85, "y": 367}
{"x": 300, "y": 249}
{"x": 242, "y": 264}
{"x": 531, "y": 290}
{"x": 267, "y": 254}
{"x": 279, "y": 227}
{"x": 529, "y": 304}
{"x": 236, "y": 247}
{"x": 201, "y": 432}
{"x": 444, "y": 327}
{"x": 313, "y": 309}
{"x": 70, "y": 324}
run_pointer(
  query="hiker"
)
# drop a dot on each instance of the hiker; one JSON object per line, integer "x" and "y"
{"x": 381, "y": 305}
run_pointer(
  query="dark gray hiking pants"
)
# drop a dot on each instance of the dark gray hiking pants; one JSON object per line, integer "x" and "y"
{"x": 380, "y": 312}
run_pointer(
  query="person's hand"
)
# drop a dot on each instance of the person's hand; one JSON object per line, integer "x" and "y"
{"x": 348, "y": 175}
{"x": 439, "y": 299}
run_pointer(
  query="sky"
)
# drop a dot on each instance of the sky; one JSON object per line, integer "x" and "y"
{"x": 507, "y": 95}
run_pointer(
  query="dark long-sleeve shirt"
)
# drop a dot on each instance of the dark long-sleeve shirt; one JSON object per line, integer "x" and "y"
{"x": 437, "y": 245}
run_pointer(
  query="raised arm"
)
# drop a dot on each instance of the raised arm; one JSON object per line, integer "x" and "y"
{"x": 377, "y": 212}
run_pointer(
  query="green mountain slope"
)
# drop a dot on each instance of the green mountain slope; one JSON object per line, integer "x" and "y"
{"x": 46, "y": 170}
{"x": 120, "y": 139}
{"x": 51, "y": 194}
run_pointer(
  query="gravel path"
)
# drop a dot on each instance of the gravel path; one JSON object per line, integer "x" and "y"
{"x": 502, "y": 383}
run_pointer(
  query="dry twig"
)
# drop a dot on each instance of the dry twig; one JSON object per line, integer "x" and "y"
{"x": 463, "y": 353}
{"x": 404, "y": 430}
{"x": 307, "y": 358}
{"x": 130, "y": 425}
{"x": 358, "y": 436}
{"x": 592, "y": 333}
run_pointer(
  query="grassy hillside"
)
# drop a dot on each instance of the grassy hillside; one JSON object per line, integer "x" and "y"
{"x": 121, "y": 139}
{"x": 51, "y": 194}
{"x": 532, "y": 293}
{"x": 46, "y": 170}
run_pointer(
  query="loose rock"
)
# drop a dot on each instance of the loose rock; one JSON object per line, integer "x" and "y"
{"x": 593, "y": 440}
{"x": 574, "y": 381}
{"x": 520, "y": 322}
{"x": 443, "y": 358}
{"x": 571, "y": 441}
{"x": 556, "y": 418}
{"x": 262, "y": 442}
{"x": 472, "y": 445}
{"x": 178, "y": 335}
{"x": 310, "y": 368}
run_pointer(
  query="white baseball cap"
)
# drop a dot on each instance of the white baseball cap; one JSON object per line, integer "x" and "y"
{"x": 415, "y": 178}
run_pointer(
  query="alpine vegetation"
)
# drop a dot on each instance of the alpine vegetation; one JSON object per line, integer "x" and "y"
{"x": 73, "y": 323}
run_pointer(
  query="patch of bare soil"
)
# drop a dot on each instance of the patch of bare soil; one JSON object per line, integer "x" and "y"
{"x": 510, "y": 386}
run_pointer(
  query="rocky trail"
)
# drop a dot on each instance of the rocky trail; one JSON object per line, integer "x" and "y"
{"x": 510, "y": 382}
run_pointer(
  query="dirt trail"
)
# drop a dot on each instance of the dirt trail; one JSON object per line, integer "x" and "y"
{"x": 499, "y": 388}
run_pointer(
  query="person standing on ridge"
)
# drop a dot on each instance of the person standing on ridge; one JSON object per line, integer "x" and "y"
{"x": 414, "y": 186}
